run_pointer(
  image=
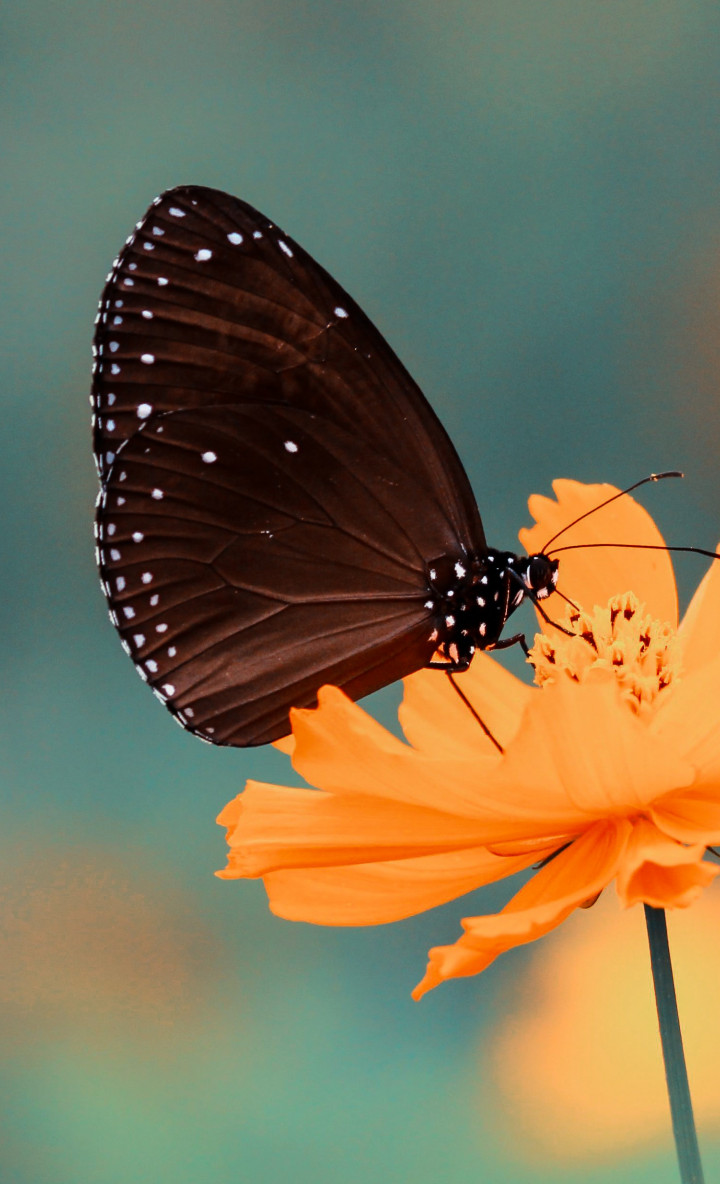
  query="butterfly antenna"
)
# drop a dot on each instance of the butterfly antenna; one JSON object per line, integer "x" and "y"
{"x": 645, "y": 481}
{"x": 640, "y": 547}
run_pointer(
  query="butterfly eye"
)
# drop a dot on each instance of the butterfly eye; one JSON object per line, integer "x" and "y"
{"x": 542, "y": 574}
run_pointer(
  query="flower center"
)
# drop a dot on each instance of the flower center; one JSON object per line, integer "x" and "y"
{"x": 642, "y": 653}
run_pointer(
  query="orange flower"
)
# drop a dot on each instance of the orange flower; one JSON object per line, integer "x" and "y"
{"x": 611, "y": 766}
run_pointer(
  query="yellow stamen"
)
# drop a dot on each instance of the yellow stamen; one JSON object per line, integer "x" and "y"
{"x": 642, "y": 653}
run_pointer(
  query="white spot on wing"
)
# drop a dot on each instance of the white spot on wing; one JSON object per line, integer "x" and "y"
{"x": 157, "y": 494}
{"x": 340, "y": 312}
{"x": 168, "y": 688}
{"x": 148, "y": 359}
{"x": 144, "y": 409}
{"x": 235, "y": 238}
{"x": 291, "y": 446}
{"x": 203, "y": 255}
{"x": 129, "y": 611}
{"x": 138, "y": 536}
{"x": 209, "y": 457}
{"x": 284, "y": 247}
{"x": 176, "y": 213}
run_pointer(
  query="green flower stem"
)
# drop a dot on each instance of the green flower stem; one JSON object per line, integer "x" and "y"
{"x": 683, "y": 1122}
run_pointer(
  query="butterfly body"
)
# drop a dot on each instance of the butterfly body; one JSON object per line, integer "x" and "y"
{"x": 279, "y": 507}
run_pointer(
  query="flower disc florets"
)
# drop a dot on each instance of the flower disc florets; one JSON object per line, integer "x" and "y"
{"x": 642, "y": 653}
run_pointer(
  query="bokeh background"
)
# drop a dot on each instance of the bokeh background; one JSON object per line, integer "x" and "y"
{"x": 525, "y": 196}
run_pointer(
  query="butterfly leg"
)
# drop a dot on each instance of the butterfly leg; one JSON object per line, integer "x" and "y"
{"x": 458, "y": 667}
{"x": 475, "y": 715}
{"x": 506, "y": 642}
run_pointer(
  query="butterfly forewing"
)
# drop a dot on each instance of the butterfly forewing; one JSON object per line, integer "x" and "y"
{"x": 274, "y": 485}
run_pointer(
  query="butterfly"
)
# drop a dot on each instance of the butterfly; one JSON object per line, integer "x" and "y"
{"x": 279, "y": 506}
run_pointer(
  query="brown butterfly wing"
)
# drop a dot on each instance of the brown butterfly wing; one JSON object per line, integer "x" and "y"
{"x": 274, "y": 485}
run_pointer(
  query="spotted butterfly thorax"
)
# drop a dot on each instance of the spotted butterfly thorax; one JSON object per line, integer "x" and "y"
{"x": 279, "y": 507}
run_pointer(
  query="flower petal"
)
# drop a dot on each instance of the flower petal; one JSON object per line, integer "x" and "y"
{"x": 658, "y": 871}
{"x": 373, "y": 894}
{"x": 341, "y": 749}
{"x": 437, "y": 722}
{"x": 700, "y": 627}
{"x": 592, "y": 576}
{"x": 690, "y": 815}
{"x": 688, "y": 719}
{"x": 575, "y": 875}
{"x": 580, "y": 755}
{"x": 272, "y": 827}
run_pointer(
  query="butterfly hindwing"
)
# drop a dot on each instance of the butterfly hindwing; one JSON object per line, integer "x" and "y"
{"x": 250, "y": 559}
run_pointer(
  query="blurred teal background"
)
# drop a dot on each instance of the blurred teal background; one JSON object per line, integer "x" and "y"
{"x": 525, "y": 197}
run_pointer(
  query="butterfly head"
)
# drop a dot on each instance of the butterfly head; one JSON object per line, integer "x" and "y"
{"x": 540, "y": 576}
